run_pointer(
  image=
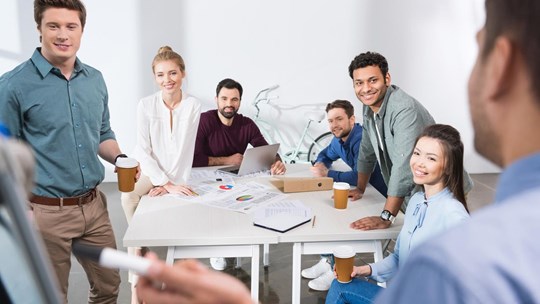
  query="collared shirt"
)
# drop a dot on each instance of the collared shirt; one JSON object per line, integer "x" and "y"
{"x": 348, "y": 152}
{"x": 493, "y": 258}
{"x": 166, "y": 154}
{"x": 64, "y": 121}
{"x": 424, "y": 219}
{"x": 400, "y": 120}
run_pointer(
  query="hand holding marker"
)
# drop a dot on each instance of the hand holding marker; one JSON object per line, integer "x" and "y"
{"x": 112, "y": 258}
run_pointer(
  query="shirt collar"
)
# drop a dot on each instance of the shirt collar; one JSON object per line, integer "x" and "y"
{"x": 382, "y": 109}
{"x": 421, "y": 207}
{"x": 355, "y": 129}
{"x": 520, "y": 176}
{"x": 44, "y": 67}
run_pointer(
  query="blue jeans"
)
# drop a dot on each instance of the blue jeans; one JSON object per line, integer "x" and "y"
{"x": 357, "y": 291}
{"x": 330, "y": 258}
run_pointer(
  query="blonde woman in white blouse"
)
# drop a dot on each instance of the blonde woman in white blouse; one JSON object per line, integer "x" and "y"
{"x": 167, "y": 124}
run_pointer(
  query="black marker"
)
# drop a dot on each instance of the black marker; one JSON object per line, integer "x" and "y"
{"x": 111, "y": 258}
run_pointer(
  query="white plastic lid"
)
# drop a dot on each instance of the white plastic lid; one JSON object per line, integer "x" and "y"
{"x": 341, "y": 186}
{"x": 126, "y": 162}
{"x": 344, "y": 252}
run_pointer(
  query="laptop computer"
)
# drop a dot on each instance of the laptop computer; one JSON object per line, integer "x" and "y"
{"x": 255, "y": 159}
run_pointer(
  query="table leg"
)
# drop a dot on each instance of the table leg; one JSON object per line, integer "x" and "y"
{"x": 255, "y": 273}
{"x": 266, "y": 255}
{"x": 170, "y": 255}
{"x": 238, "y": 263}
{"x": 296, "y": 268}
{"x": 378, "y": 255}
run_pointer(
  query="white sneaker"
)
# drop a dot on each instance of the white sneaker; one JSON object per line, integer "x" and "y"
{"x": 316, "y": 270}
{"x": 218, "y": 263}
{"x": 323, "y": 282}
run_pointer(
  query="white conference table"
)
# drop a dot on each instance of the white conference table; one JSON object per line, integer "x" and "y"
{"x": 331, "y": 228}
{"x": 192, "y": 230}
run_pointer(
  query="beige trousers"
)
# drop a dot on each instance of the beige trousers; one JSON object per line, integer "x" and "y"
{"x": 89, "y": 223}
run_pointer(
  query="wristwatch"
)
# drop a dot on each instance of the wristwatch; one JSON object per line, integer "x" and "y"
{"x": 387, "y": 216}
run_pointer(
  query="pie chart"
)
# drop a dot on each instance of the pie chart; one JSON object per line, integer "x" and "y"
{"x": 225, "y": 187}
{"x": 244, "y": 198}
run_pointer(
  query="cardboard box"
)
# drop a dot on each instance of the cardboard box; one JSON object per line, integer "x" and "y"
{"x": 303, "y": 184}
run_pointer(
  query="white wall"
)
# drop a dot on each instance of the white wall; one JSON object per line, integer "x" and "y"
{"x": 305, "y": 46}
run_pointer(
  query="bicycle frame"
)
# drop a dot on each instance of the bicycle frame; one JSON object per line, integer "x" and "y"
{"x": 291, "y": 156}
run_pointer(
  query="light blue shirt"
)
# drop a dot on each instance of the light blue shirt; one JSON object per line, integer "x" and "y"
{"x": 493, "y": 258}
{"x": 424, "y": 219}
{"x": 64, "y": 121}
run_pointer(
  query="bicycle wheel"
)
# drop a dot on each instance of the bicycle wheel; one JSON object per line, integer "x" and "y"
{"x": 318, "y": 145}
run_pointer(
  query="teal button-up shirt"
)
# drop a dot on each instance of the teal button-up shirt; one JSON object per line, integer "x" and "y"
{"x": 63, "y": 120}
{"x": 400, "y": 120}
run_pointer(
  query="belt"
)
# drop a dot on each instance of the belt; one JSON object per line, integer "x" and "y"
{"x": 65, "y": 201}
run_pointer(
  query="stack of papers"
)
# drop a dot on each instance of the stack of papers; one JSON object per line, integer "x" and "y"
{"x": 282, "y": 216}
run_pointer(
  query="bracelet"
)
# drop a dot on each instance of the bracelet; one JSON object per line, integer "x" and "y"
{"x": 119, "y": 155}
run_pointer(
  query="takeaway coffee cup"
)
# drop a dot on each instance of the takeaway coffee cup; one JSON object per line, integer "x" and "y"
{"x": 344, "y": 260}
{"x": 341, "y": 195}
{"x": 126, "y": 168}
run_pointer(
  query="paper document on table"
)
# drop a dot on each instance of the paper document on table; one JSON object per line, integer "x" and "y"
{"x": 282, "y": 216}
{"x": 238, "y": 197}
{"x": 209, "y": 175}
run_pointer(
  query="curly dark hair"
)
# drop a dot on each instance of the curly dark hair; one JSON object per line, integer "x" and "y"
{"x": 368, "y": 59}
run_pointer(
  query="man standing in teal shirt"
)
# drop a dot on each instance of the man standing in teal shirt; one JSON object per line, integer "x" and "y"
{"x": 392, "y": 122}
{"x": 59, "y": 106}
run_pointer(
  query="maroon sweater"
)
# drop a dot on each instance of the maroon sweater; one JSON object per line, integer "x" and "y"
{"x": 216, "y": 139}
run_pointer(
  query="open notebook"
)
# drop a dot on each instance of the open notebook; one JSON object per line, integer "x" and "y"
{"x": 282, "y": 216}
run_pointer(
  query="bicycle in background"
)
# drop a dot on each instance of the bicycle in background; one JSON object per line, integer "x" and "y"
{"x": 315, "y": 144}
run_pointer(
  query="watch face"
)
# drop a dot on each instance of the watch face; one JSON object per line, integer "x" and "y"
{"x": 385, "y": 215}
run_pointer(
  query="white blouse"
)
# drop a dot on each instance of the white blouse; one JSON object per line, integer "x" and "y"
{"x": 164, "y": 154}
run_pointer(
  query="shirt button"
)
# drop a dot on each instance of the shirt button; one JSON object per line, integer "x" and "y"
{"x": 73, "y": 104}
{"x": 80, "y": 146}
{"x": 77, "y": 125}
{"x": 83, "y": 166}
{"x": 86, "y": 187}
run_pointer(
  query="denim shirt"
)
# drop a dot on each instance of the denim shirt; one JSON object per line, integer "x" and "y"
{"x": 347, "y": 151}
{"x": 63, "y": 120}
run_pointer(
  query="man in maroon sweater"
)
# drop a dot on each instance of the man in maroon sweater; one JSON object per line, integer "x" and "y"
{"x": 224, "y": 135}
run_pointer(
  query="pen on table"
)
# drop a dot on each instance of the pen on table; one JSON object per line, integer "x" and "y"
{"x": 313, "y": 223}
{"x": 193, "y": 192}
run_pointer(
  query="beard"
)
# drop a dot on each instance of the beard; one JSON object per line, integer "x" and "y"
{"x": 228, "y": 115}
{"x": 344, "y": 133}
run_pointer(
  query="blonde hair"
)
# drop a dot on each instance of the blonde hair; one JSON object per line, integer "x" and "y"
{"x": 166, "y": 53}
